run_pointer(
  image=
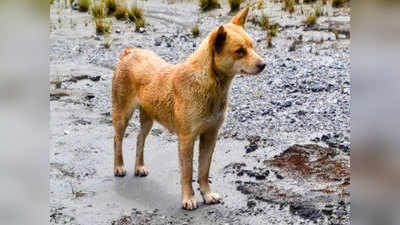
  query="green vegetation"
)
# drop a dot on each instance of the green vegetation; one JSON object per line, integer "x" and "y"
{"x": 261, "y": 4}
{"x": 318, "y": 10}
{"x": 235, "y": 5}
{"x": 135, "y": 13}
{"x": 121, "y": 13}
{"x": 139, "y": 24}
{"x": 338, "y": 3}
{"x": 84, "y": 5}
{"x": 264, "y": 22}
{"x": 98, "y": 9}
{"x": 206, "y": 5}
{"x": 195, "y": 30}
{"x": 309, "y": 1}
{"x": 111, "y": 6}
{"x": 311, "y": 20}
{"x": 288, "y": 5}
{"x": 102, "y": 26}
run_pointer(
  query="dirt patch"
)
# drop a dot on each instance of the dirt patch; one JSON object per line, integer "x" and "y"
{"x": 312, "y": 161}
{"x": 313, "y": 185}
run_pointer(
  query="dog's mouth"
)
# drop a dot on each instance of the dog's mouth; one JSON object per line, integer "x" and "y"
{"x": 250, "y": 73}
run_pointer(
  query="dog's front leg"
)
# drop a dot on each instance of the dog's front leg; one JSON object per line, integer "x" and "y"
{"x": 206, "y": 149}
{"x": 186, "y": 143}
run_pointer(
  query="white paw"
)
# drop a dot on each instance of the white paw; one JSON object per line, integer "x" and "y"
{"x": 141, "y": 171}
{"x": 189, "y": 203}
{"x": 119, "y": 171}
{"x": 211, "y": 198}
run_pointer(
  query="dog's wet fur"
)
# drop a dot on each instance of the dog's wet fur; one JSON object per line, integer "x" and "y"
{"x": 188, "y": 98}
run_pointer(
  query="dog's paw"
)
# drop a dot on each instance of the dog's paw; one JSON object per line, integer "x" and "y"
{"x": 119, "y": 171}
{"x": 189, "y": 203}
{"x": 141, "y": 171}
{"x": 211, "y": 198}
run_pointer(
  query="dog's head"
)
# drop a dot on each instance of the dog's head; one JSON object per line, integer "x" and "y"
{"x": 233, "y": 49}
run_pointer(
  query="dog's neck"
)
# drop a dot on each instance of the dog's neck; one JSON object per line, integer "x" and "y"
{"x": 203, "y": 62}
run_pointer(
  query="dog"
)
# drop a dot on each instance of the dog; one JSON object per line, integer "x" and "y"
{"x": 188, "y": 98}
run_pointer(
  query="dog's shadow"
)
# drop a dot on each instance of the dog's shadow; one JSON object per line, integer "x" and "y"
{"x": 147, "y": 192}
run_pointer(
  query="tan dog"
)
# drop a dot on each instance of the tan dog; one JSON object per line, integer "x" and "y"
{"x": 188, "y": 98}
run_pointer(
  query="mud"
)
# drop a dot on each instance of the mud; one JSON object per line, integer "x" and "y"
{"x": 283, "y": 152}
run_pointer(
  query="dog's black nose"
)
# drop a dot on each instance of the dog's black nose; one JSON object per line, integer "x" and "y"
{"x": 261, "y": 66}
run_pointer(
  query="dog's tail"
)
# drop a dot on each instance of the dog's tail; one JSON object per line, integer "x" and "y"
{"x": 126, "y": 51}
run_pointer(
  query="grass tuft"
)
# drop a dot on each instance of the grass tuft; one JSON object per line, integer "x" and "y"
{"x": 318, "y": 10}
{"x": 135, "y": 13}
{"x": 111, "y": 6}
{"x": 195, "y": 30}
{"x": 206, "y": 5}
{"x": 102, "y": 26}
{"x": 260, "y": 4}
{"x": 139, "y": 23}
{"x": 264, "y": 22}
{"x": 98, "y": 10}
{"x": 121, "y": 13}
{"x": 338, "y": 3}
{"x": 288, "y": 5}
{"x": 311, "y": 20}
{"x": 235, "y": 5}
{"x": 309, "y": 1}
{"x": 84, "y": 5}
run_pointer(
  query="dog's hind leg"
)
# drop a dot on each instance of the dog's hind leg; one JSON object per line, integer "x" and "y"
{"x": 206, "y": 149}
{"x": 146, "y": 122}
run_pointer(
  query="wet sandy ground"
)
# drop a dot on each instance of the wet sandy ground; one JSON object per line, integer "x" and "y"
{"x": 255, "y": 188}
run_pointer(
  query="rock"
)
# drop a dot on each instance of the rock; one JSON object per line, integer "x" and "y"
{"x": 317, "y": 88}
{"x": 142, "y": 30}
{"x": 280, "y": 177}
{"x": 157, "y": 42}
{"x": 97, "y": 38}
{"x": 251, "y": 203}
{"x": 305, "y": 211}
{"x": 260, "y": 177}
{"x": 327, "y": 211}
{"x": 287, "y": 104}
{"x": 118, "y": 31}
{"x": 95, "y": 78}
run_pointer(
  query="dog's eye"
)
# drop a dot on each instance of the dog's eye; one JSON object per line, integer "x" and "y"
{"x": 241, "y": 51}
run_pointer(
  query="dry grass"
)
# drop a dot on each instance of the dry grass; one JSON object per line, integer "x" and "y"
{"x": 195, "y": 30}
{"x": 338, "y": 3}
{"x": 84, "y": 5}
{"x": 324, "y": 2}
{"x": 102, "y": 26}
{"x": 311, "y": 20}
{"x": 206, "y": 5}
{"x": 235, "y": 5}
{"x": 139, "y": 24}
{"x": 111, "y": 6}
{"x": 269, "y": 40}
{"x": 318, "y": 10}
{"x": 288, "y": 5}
{"x": 309, "y": 1}
{"x": 260, "y": 4}
{"x": 264, "y": 22}
{"x": 135, "y": 13}
{"x": 121, "y": 13}
{"x": 273, "y": 29}
{"x": 98, "y": 9}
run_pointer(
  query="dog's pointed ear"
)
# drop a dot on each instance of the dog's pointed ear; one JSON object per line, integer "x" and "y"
{"x": 218, "y": 39}
{"x": 240, "y": 18}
